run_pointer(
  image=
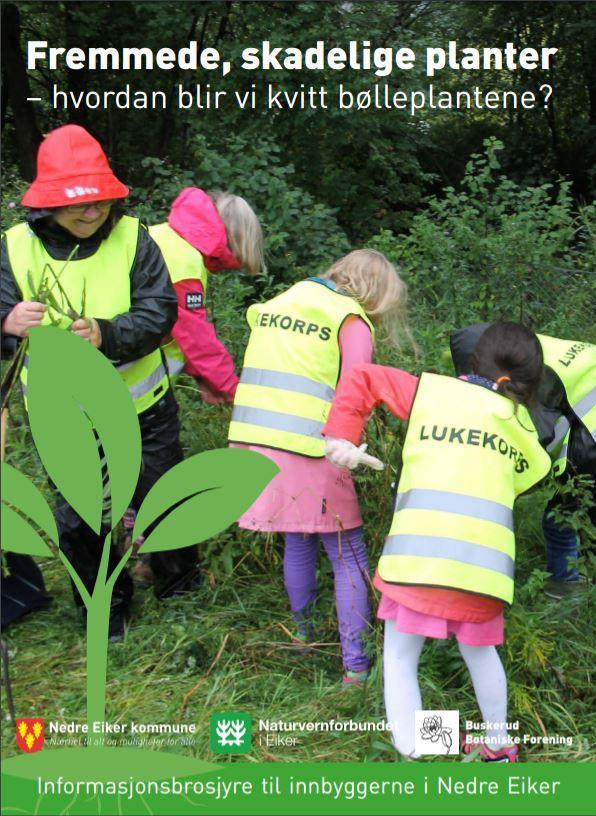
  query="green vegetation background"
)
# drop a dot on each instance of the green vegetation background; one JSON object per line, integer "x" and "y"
{"x": 488, "y": 215}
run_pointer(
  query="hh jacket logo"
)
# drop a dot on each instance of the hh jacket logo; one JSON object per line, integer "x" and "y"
{"x": 30, "y": 734}
{"x": 194, "y": 300}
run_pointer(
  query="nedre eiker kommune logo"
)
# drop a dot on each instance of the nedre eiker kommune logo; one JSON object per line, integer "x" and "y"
{"x": 30, "y": 733}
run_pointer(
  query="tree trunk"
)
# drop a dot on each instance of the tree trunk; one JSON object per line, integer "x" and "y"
{"x": 169, "y": 119}
{"x": 78, "y": 80}
{"x": 16, "y": 88}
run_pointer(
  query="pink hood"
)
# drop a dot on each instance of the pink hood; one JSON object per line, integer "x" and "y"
{"x": 194, "y": 217}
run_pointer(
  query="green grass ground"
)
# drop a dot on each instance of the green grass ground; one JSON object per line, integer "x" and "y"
{"x": 228, "y": 647}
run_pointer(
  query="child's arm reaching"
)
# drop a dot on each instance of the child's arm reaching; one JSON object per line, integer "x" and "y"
{"x": 360, "y": 390}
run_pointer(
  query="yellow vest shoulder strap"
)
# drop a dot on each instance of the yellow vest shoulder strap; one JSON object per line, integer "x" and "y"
{"x": 25, "y": 249}
{"x": 184, "y": 262}
{"x": 316, "y": 298}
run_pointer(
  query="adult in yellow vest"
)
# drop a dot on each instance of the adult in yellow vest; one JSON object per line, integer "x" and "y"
{"x": 448, "y": 562}
{"x": 565, "y": 416}
{"x": 301, "y": 344}
{"x": 205, "y": 233}
{"x": 118, "y": 274}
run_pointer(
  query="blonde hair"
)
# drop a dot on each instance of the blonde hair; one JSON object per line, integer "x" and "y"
{"x": 245, "y": 235}
{"x": 371, "y": 279}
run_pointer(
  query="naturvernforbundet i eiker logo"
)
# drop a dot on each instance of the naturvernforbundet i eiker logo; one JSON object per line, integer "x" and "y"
{"x": 231, "y": 732}
{"x": 30, "y": 734}
{"x": 436, "y": 732}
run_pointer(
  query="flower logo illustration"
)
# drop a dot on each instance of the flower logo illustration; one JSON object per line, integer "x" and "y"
{"x": 434, "y": 730}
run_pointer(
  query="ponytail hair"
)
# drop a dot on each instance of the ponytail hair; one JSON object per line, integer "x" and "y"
{"x": 510, "y": 355}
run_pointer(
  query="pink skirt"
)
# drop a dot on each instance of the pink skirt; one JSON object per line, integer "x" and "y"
{"x": 487, "y": 633}
{"x": 306, "y": 496}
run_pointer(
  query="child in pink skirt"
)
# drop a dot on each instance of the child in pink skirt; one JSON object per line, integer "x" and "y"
{"x": 507, "y": 361}
{"x": 310, "y": 500}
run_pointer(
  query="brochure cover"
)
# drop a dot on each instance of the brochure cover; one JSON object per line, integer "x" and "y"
{"x": 298, "y": 415}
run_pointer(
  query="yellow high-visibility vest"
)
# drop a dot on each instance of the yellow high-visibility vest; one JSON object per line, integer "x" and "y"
{"x": 98, "y": 286}
{"x": 575, "y": 365}
{"x": 184, "y": 262}
{"x": 291, "y": 367}
{"x": 468, "y": 453}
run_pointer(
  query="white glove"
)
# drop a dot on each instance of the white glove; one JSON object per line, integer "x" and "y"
{"x": 344, "y": 454}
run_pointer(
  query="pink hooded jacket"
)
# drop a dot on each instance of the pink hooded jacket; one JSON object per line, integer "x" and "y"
{"x": 194, "y": 217}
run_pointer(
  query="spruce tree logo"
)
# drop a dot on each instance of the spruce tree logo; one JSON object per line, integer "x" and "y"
{"x": 231, "y": 732}
{"x": 78, "y": 404}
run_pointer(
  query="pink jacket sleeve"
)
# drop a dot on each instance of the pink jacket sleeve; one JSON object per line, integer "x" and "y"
{"x": 355, "y": 344}
{"x": 362, "y": 388}
{"x": 207, "y": 358}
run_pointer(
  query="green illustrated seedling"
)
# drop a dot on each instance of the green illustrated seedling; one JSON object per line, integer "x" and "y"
{"x": 80, "y": 408}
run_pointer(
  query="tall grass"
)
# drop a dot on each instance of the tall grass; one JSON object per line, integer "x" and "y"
{"x": 489, "y": 251}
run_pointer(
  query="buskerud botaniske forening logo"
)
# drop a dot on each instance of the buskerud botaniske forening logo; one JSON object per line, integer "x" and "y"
{"x": 436, "y": 732}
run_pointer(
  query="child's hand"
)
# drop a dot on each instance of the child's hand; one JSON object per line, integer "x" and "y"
{"x": 211, "y": 397}
{"x": 344, "y": 454}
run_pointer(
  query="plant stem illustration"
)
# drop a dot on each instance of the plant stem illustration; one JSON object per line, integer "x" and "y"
{"x": 82, "y": 419}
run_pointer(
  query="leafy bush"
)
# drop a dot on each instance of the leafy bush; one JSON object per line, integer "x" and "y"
{"x": 302, "y": 235}
{"x": 493, "y": 250}
{"x": 13, "y": 189}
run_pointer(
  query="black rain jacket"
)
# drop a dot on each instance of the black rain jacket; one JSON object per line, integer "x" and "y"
{"x": 154, "y": 306}
{"x": 550, "y": 405}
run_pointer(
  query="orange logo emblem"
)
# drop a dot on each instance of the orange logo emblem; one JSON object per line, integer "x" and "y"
{"x": 30, "y": 734}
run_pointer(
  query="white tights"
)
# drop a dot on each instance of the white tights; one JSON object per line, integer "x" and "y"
{"x": 402, "y": 691}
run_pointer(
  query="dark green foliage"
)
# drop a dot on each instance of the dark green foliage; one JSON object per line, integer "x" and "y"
{"x": 374, "y": 168}
{"x": 302, "y": 235}
{"x": 479, "y": 229}
{"x": 494, "y": 250}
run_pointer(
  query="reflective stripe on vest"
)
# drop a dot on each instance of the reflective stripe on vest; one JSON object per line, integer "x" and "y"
{"x": 274, "y": 420}
{"x": 466, "y": 456}
{"x": 559, "y": 446}
{"x": 140, "y": 389}
{"x": 289, "y": 382}
{"x": 562, "y": 427}
{"x": 184, "y": 262}
{"x": 175, "y": 367}
{"x": 175, "y": 358}
{"x": 137, "y": 391}
{"x": 291, "y": 367}
{"x": 98, "y": 285}
{"x": 584, "y": 407}
{"x": 452, "y": 549}
{"x": 448, "y": 502}
{"x": 574, "y": 363}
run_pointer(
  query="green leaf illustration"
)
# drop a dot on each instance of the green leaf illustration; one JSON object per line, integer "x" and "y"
{"x": 19, "y": 491}
{"x": 202, "y": 496}
{"x": 19, "y": 536}
{"x": 73, "y": 389}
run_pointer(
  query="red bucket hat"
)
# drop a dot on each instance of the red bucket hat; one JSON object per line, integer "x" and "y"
{"x": 72, "y": 169}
